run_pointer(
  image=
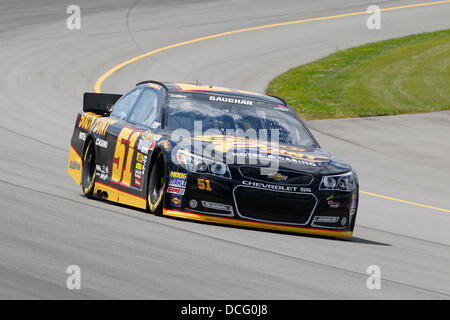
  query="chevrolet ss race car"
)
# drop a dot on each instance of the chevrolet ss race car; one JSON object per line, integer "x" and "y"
{"x": 211, "y": 154}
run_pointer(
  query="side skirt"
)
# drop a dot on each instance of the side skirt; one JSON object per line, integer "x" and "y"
{"x": 121, "y": 196}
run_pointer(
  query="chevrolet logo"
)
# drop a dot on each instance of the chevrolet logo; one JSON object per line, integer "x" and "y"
{"x": 277, "y": 177}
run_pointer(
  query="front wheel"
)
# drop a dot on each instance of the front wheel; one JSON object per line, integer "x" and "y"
{"x": 88, "y": 171}
{"x": 156, "y": 186}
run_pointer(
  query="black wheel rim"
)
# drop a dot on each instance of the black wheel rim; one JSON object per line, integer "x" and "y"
{"x": 156, "y": 185}
{"x": 88, "y": 167}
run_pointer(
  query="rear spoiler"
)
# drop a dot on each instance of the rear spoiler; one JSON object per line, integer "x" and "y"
{"x": 99, "y": 103}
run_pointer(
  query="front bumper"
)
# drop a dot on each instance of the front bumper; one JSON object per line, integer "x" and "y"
{"x": 254, "y": 224}
{"x": 240, "y": 202}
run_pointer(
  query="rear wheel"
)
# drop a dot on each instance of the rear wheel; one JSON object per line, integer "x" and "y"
{"x": 156, "y": 186}
{"x": 88, "y": 171}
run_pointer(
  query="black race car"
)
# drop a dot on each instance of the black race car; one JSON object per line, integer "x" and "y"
{"x": 211, "y": 154}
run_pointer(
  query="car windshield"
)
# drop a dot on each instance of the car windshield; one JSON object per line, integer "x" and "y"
{"x": 233, "y": 115}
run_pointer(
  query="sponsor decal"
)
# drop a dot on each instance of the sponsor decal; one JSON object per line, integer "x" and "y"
{"x": 217, "y": 206}
{"x": 143, "y": 145}
{"x": 176, "y": 200}
{"x": 74, "y": 165}
{"x": 139, "y": 157}
{"x": 330, "y": 197}
{"x": 177, "y": 183}
{"x": 101, "y": 143}
{"x": 274, "y": 157}
{"x": 101, "y": 168}
{"x": 138, "y": 174}
{"x": 231, "y": 100}
{"x": 326, "y": 219}
{"x": 101, "y": 171}
{"x": 178, "y": 175}
{"x": 176, "y": 190}
{"x": 353, "y": 205}
{"x": 264, "y": 149}
{"x": 137, "y": 182}
{"x": 139, "y": 166}
{"x": 334, "y": 204}
{"x": 97, "y": 125}
{"x": 82, "y": 136}
{"x": 148, "y": 135}
{"x": 152, "y": 145}
{"x": 155, "y": 125}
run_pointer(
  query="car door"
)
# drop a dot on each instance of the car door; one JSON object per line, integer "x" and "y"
{"x": 145, "y": 118}
{"x": 110, "y": 160}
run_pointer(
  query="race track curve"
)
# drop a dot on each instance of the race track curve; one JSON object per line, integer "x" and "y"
{"x": 46, "y": 225}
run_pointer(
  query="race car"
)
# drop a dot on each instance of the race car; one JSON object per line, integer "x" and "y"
{"x": 211, "y": 154}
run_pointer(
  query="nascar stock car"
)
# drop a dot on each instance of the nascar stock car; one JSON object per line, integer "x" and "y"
{"x": 145, "y": 149}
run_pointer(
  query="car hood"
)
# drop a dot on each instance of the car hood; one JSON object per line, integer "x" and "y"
{"x": 237, "y": 151}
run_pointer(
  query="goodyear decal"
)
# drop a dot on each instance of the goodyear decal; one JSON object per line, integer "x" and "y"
{"x": 97, "y": 125}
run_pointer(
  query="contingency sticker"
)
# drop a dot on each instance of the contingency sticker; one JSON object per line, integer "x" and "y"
{"x": 176, "y": 200}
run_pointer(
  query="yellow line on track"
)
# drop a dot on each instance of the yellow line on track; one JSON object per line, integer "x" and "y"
{"x": 403, "y": 201}
{"x": 107, "y": 74}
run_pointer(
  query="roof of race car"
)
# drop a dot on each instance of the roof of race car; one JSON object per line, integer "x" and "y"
{"x": 189, "y": 87}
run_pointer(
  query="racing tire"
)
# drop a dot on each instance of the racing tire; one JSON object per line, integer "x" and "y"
{"x": 156, "y": 186}
{"x": 88, "y": 171}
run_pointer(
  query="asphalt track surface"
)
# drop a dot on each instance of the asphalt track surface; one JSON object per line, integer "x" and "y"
{"x": 46, "y": 225}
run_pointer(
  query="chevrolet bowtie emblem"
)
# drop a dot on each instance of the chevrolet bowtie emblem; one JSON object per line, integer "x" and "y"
{"x": 277, "y": 176}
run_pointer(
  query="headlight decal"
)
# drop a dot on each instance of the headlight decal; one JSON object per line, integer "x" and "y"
{"x": 194, "y": 163}
{"x": 340, "y": 182}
